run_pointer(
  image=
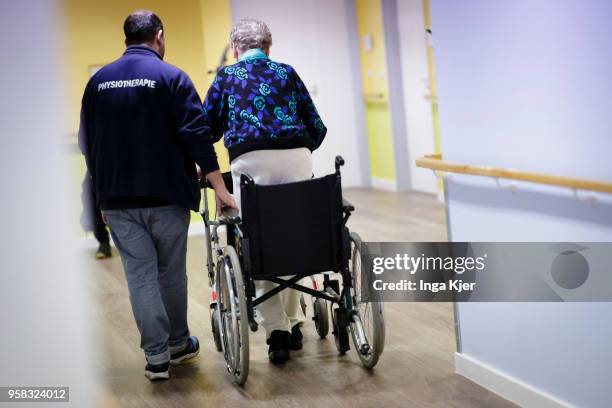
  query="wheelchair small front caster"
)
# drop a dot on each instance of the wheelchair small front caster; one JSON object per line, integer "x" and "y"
{"x": 367, "y": 323}
{"x": 303, "y": 304}
{"x": 341, "y": 335}
{"x": 253, "y": 325}
{"x": 319, "y": 311}
{"x": 214, "y": 324}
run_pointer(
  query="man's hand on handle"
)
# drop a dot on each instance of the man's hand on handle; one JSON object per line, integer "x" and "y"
{"x": 222, "y": 197}
{"x": 224, "y": 200}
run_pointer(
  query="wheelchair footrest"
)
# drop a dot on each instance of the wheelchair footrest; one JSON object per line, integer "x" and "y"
{"x": 333, "y": 284}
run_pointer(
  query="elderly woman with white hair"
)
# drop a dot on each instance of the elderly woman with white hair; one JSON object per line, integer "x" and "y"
{"x": 270, "y": 127}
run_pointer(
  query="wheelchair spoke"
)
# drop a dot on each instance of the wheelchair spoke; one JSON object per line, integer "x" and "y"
{"x": 368, "y": 329}
{"x": 231, "y": 308}
{"x": 233, "y": 341}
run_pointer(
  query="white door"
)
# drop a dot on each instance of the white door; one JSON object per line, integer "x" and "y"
{"x": 416, "y": 83}
{"x": 314, "y": 37}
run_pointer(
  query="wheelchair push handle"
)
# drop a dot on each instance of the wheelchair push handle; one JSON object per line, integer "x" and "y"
{"x": 230, "y": 215}
{"x": 339, "y": 163}
{"x": 227, "y": 179}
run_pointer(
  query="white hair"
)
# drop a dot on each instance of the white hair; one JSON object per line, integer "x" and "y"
{"x": 250, "y": 33}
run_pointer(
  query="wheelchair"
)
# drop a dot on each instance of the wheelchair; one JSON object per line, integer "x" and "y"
{"x": 285, "y": 233}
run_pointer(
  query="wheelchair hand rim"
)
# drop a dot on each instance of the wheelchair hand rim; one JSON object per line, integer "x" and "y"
{"x": 227, "y": 318}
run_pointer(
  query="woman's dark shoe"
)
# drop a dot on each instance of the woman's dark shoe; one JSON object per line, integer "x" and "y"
{"x": 296, "y": 338}
{"x": 278, "y": 350}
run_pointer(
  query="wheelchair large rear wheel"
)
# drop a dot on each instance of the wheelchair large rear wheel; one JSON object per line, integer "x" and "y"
{"x": 233, "y": 316}
{"x": 367, "y": 322}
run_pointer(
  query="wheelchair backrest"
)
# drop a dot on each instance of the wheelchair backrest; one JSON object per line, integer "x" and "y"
{"x": 293, "y": 228}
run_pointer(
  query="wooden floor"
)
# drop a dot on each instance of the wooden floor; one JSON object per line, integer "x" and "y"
{"x": 416, "y": 369}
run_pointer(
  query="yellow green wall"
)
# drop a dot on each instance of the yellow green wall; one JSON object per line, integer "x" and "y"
{"x": 375, "y": 89}
{"x": 94, "y": 35}
{"x": 195, "y": 30}
{"x": 216, "y": 17}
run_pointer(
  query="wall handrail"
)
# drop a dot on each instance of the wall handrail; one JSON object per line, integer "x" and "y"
{"x": 435, "y": 162}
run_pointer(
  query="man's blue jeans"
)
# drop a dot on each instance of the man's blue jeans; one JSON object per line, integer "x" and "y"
{"x": 153, "y": 247}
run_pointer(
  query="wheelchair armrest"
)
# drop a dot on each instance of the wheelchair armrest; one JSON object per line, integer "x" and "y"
{"x": 347, "y": 206}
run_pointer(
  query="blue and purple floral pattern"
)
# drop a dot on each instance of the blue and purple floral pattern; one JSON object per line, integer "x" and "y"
{"x": 258, "y": 100}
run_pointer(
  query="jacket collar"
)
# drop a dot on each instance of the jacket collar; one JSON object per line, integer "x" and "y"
{"x": 141, "y": 49}
{"x": 253, "y": 53}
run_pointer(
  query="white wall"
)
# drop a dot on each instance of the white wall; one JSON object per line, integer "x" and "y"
{"x": 316, "y": 38}
{"x": 415, "y": 79}
{"x": 45, "y": 336}
{"x": 526, "y": 84}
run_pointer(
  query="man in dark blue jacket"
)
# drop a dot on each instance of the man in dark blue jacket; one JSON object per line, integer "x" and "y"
{"x": 142, "y": 132}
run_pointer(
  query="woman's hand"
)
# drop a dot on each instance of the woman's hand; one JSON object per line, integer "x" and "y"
{"x": 223, "y": 198}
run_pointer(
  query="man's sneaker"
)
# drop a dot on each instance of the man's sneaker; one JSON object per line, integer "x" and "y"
{"x": 104, "y": 251}
{"x": 191, "y": 350}
{"x": 156, "y": 372}
{"x": 296, "y": 338}
{"x": 278, "y": 350}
